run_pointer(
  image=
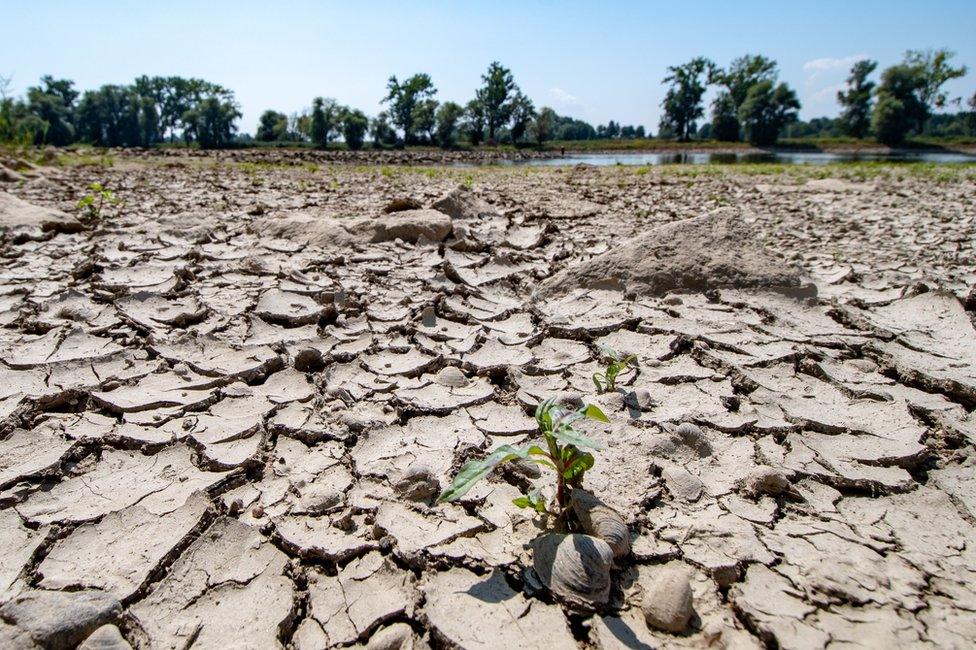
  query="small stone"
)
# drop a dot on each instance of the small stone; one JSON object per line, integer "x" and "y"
{"x": 668, "y": 601}
{"x": 107, "y": 637}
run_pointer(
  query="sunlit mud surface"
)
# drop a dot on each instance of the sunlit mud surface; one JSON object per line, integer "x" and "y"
{"x": 229, "y": 403}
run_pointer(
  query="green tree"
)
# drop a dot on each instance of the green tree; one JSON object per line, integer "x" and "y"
{"x": 272, "y": 127}
{"x": 425, "y": 118}
{"x": 326, "y": 121}
{"x": 890, "y": 120}
{"x": 522, "y": 113}
{"x": 743, "y": 73}
{"x": 473, "y": 125}
{"x": 448, "y": 116}
{"x": 495, "y": 96}
{"x": 970, "y": 119}
{"x": 683, "y": 102}
{"x": 53, "y": 103}
{"x": 899, "y": 106}
{"x": 934, "y": 71}
{"x": 855, "y": 119}
{"x": 725, "y": 122}
{"x": 542, "y": 126}
{"x": 381, "y": 131}
{"x": 403, "y": 99}
{"x": 212, "y": 122}
{"x": 354, "y": 126}
{"x": 766, "y": 110}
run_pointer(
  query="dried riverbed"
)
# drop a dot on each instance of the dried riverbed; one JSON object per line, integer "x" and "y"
{"x": 227, "y": 405}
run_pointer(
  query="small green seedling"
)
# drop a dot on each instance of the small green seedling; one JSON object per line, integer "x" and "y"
{"x": 93, "y": 202}
{"x": 563, "y": 454}
{"x": 618, "y": 363}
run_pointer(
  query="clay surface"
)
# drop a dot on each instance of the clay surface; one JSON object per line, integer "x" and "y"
{"x": 227, "y": 407}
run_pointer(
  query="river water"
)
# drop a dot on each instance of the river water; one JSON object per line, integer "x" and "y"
{"x": 726, "y": 158}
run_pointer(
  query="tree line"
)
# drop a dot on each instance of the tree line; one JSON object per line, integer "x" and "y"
{"x": 149, "y": 111}
{"x": 499, "y": 113}
{"x": 751, "y": 104}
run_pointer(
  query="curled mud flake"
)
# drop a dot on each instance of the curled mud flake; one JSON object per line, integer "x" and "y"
{"x": 575, "y": 568}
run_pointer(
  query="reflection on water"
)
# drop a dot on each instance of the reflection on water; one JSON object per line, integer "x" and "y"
{"x": 728, "y": 158}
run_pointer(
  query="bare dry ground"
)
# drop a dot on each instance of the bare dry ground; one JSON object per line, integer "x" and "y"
{"x": 228, "y": 404}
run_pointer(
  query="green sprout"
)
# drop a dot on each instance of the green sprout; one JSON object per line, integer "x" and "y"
{"x": 563, "y": 454}
{"x": 618, "y": 363}
{"x": 93, "y": 202}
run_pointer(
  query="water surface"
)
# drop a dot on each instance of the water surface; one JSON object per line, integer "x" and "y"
{"x": 728, "y": 158}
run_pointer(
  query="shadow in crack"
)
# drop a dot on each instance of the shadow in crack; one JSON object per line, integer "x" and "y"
{"x": 493, "y": 589}
{"x": 623, "y": 633}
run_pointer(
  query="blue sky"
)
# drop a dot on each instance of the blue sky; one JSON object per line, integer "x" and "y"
{"x": 594, "y": 60}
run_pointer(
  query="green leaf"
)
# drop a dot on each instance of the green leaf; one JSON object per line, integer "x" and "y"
{"x": 608, "y": 352}
{"x": 579, "y": 465}
{"x": 569, "y": 436}
{"x": 597, "y": 380}
{"x": 594, "y": 413}
{"x": 523, "y": 502}
{"x": 475, "y": 470}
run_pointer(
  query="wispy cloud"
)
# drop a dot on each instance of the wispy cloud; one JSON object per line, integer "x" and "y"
{"x": 564, "y": 99}
{"x": 828, "y": 93}
{"x": 818, "y": 67}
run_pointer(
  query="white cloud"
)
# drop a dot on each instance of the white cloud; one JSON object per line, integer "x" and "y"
{"x": 828, "y": 93}
{"x": 817, "y": 67}
{"x": 564, "y": 99}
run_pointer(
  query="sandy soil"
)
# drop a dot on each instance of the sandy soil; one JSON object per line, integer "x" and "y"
{"x": 228, "y": 405}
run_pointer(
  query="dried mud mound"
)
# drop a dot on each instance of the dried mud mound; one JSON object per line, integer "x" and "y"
{"x": 715, "y": 251}
{"x": 343, "y": 233}
{"x": 225, "y": 415}
{"x": 22, "y": 220}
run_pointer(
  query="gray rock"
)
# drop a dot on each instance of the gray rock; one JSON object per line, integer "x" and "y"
{"x": 56, "y": 619}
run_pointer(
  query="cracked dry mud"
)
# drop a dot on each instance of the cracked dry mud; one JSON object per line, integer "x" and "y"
{"x": 227, "y": 408}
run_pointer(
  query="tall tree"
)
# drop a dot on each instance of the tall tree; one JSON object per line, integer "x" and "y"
{"x": 522, "y": 113}
{"x": 496, "y": 97}
{"x": 354, "y": 125}
{"x": 326, "y": 114}
{"x": 381, "y": 132}
{"x": 473, "y": 125}
{"x": 425, "y": 118}
{"x": 53, "y": 102}
{"x": 683, "y": 102}
{"x": 743, "y": 73}
{"x": 403, "y": 99}
{"x": 212, "y": 121}
{"x": 725, "y": 121}
{"x": 855, "y": 119}
{"x": 766, "y": 110}
{"x": 970, "y": 119}
{"x": 934, "y": 71}
{"x": 272, "y": 126}
{"x": 448, "y": 116}
{"x": 543, "y": 125}
{"x": 899, "y": 107}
